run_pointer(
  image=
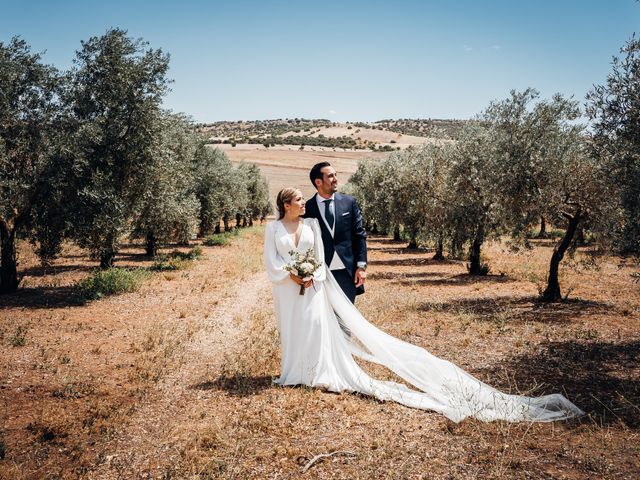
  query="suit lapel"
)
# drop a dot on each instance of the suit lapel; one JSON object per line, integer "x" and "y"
{"x": 315, "y": 213}
{"x": 312, "y": 208}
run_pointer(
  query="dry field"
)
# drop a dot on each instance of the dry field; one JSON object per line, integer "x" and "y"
{"x": 175, "y": 380}
{"x": 288, "y": 166}
{"x": 382, "y": 137}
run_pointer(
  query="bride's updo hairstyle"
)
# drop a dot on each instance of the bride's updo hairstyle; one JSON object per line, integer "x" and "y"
{"x": 286, "y": 195}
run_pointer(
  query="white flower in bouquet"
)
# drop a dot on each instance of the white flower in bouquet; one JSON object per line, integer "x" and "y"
{"x": 303, "y": 264}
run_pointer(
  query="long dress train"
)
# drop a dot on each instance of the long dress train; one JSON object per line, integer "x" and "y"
{"x": 315, "y": 351}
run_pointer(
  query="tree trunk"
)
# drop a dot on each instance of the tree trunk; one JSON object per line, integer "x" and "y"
{"x": 106, "y": 260}
{"x": 152, "y": 244}
{"x": 238, "y": 220}
{"x": 244, "y": 222}
{"x": 413, "y": 243}
{"x": 8, "y": 266}
{"x": 374, "y": 228}
{"x": 107, "y": 255}
{"x": 225, "y": 220}
{"x": 251, "y": 221}
{"x": 396, "y": 233}
{"x": 552, "y": 292}
{"x": 454, "y": 250}
{"x": 439, "y": 248}
{"x": 205, "y": 227}
{"x": 475, "y": 268}
{"x": 543, "y": 228}
{"x": 217, "y": 229}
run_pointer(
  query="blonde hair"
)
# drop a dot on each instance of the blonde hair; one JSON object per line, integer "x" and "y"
{"x": 286, "y": 195}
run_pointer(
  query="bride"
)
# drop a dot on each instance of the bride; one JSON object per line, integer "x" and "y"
{"x": 316, "y": 352}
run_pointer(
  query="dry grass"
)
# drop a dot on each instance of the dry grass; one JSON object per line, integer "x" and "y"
{"x": 175, "y": 381}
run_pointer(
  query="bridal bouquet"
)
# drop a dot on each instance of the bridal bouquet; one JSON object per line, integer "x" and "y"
{"x": 303, "y": 264}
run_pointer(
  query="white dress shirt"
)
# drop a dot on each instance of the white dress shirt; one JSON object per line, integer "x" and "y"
{"x": 336, "y": 262}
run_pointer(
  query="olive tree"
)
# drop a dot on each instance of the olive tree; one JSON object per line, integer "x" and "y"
{"x": 615, "y": 110}
{"x": 365, "y": 186}
{"x": 474, "y": 210}
{"x": 29, "y": 105}
{"x": 543, "y": 169}
{"x": 214, "y": 187}
{"x": 117, "y": 87}
{"x": 258, "y": 205}
{"x": 168, "y": 208}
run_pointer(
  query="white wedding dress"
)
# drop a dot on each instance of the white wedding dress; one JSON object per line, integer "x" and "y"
{"x": 317, "y": 353}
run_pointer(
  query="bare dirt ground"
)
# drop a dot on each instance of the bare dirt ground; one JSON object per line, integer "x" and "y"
{"x": 175, "y": 380}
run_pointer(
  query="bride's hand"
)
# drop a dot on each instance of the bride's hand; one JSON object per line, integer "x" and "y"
{"x": 296, "y": 279}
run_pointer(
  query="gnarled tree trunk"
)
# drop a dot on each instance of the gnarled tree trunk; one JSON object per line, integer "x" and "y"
{"x": 205, "y": 227}
{"x": 413, "y": 243}
{"x": 396, "y": 233}
{"x": 475, "y": 268}
{"x": 152, "y": 244}
{"x": 552, "y": 292}
{"x": 8, "y": 265}
{"x": 543, "y": 228}
{"x": 108, "y": 254}
{"x": 439, "y": 248}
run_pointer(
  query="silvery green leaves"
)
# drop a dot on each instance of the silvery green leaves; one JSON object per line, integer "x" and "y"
{"x": 29, "y": 107}
{"x": 615, "y": 109}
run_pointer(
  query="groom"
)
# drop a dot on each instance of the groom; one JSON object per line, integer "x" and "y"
{"x": 344, "y": 237}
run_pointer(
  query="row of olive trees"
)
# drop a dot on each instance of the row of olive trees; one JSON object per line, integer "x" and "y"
{"x": 91, "y": 156}
{"x": 521, "y": 161}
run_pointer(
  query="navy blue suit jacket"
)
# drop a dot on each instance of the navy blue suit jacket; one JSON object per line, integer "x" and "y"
{"x": 349, "y": 240}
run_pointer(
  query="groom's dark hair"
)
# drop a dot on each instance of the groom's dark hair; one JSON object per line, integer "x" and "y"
{"x": 316, "y": 172}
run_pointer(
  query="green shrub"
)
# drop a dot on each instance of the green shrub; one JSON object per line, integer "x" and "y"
{"x": 113, "y": 281}
{"x": 193, "y": 254}
{"x": 219, "y": 239}
{"x": 176, "y": 260}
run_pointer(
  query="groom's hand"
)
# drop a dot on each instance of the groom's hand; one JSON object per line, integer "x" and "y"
{"x": 361, "y": 275}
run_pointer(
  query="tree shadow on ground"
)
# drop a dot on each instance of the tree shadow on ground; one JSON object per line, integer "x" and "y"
{"x": 399, "y": 250}
{"x": 238, "y": 384}
{"x": 601, "y": 378}
{"x": 132, "y": 257}
{"x": 43, "y": 297}
{"x": 383, "y": 239}
{"x": 520, "y": 309}
{"x": 414, "y": 261}
{"x": 438, "y": 278}
{"x": 42, "y": 271}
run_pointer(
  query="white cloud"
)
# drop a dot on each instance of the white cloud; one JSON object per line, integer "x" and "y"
{"x": 467, "y": 48}
{"x": 332, "y": 112}
{"x": 495, "y": 47}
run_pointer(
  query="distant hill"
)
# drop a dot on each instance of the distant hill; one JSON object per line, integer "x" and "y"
{"x": 383, "y": 135}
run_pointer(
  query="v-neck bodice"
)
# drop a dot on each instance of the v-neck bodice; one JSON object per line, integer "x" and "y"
{"x": 285, "y": 242}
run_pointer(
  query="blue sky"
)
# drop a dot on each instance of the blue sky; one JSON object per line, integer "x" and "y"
{"x": 346, "y": 60}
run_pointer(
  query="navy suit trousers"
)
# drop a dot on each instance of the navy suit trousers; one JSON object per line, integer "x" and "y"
{"x": 345, "y": 281}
